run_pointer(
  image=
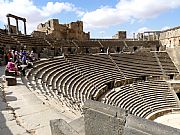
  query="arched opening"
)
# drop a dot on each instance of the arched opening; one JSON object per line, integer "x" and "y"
{"x": 171, "y": 76}
{"x": 118, "y": 49}
{"x": 157, "y": 48}
{"x": 87, "y": 50}
{"x": 70, "y": 50}
{"x": 135, "y": 48}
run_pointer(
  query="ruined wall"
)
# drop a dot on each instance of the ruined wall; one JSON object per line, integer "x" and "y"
{"x": 149, "y": 36}
{"x": 120, "y": 35}
{"x": 170, "y": 37}
{"x": 71, "y": 31}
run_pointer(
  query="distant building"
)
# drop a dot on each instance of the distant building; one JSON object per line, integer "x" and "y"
{"x": 71, "y": 31}
{"x": 120, "y": 35}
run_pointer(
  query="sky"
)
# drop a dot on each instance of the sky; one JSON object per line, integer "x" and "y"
{"x": 102, "y": 18}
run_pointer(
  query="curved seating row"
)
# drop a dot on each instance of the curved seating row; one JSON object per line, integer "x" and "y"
{"x": 74, "y": 79}
{"x": 137, "y": 64}
{"x": 142, "y": 98}
{"x": 57, "y": 77}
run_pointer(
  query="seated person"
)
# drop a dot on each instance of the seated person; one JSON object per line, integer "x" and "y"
{"x": 12, "y": 67}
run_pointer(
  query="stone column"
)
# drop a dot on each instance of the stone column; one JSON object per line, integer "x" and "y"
{"x": 133, "y": 36}
{"x": 148, "y": 36}
{"x": 143, "y": 36}
{"x": 154, "y": 36}
{"x": 9, "y": 25}
{"x": 17, "y": 26}
{"x": 24, "y": 27}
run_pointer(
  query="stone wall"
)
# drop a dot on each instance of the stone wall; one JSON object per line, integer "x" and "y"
{"x": 71, "y": 31}
{"x": 149, "y": 36}
{"x": 170, "y": 37}
{"x": 120, "y": 35}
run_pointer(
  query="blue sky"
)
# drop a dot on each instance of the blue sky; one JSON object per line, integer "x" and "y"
{"x": 103, "y": 18}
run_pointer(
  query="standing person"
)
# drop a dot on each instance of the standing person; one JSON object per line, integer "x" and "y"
{"x": 12, "y": 55}
{"x": 6, "y": 59}
{"x": 24, "y": 57}
{"x": 24, "y": 60}
{"x": 16, "y": 55}
{"x": 9, "y": 55}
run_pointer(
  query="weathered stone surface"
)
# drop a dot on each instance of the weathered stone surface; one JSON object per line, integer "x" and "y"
{"x": 97, "y": 123}
{"x": 108, "y": 109}
{"x": 52, "y": 28}
{"x": 61, "y": 127}
{"x": 132, "y": 131}
{"x": 102, "y": 119}
{"x": 78, "y": 125}
{"x": 149, "y": 127}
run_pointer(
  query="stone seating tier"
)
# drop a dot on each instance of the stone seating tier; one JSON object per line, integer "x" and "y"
{"x": 142, "y": 98}
{"x": 81, "y": 77}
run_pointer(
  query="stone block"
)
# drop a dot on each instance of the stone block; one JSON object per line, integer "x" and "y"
{"x": 11, "y": 81}
{"x": 102, "y": 119}
{"x": 78, "y": 124}
{"x": 61, "y": 127}
{"x": 11, "y": 73}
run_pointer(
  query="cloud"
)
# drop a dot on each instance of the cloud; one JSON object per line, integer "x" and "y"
{"x": 127, "y": 11}
{"x": 34, "y": 14}
{"x": 165, "y": 28}
{"x": 57, "y": 7}
{"x": 143, "y": 29}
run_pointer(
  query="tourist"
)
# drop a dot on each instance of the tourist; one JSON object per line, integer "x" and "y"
{"x": 12, "y": 56}
{"x": 12, "y": 67}
{"x": 9, "y": 55}
{"x": 16, "y": 55}
{"x": 24, "y": 57}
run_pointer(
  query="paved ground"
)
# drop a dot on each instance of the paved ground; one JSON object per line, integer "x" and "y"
{"x": 22, "y": 112}
{"x": 172, "y": 120}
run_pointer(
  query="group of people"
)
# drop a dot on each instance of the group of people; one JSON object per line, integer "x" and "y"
{"x": 18, "y": 61}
